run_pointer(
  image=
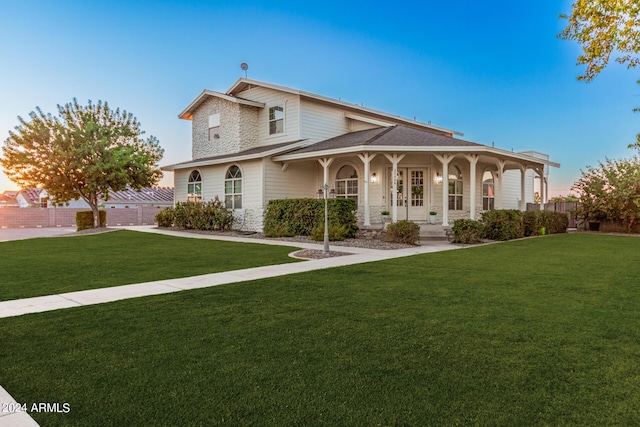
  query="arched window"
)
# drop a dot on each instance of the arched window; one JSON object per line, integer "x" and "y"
{"x": 347, "y": 183}
{"x": 487, "y": 191}
{"x": 233, "y": 188}
{"x": 194, "y": 187}
{"x": 455, "y": 189}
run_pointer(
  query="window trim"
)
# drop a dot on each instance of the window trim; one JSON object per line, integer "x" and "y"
{"x": 270, "y": 120}
{"x": 193, "y": 196}
{"x": 238, "y": 177}
{"x": 488, "y": 201}
{"x": 347, "y": 194}
{"x": 458, "y": 184}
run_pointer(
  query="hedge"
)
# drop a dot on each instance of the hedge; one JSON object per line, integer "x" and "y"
{"x": 467, "y": 231}
{"x": 504, "y": 224}
{"x": 299, "y": 217}
{"x": 403, "y": 232}
{"x": 84, "y": 219}
{"x": 552, "y": 222}
{"x": 210, "y": 215}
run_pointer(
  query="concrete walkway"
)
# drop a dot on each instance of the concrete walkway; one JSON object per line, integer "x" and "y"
{"x": 103, "y": 295}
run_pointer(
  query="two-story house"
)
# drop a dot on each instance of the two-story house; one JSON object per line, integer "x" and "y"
{"x": 259, "y": 141}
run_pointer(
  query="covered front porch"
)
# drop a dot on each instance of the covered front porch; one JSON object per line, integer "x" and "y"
{"x": 412, "y": 179}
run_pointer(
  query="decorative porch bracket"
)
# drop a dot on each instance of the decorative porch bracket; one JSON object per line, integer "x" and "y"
{"x": 445, "y": 159}
{"x": 325, "y": 163}
{"x": 473, "y": 161}
{"x": 394, "y": 159}
{"x": 366, "y": 159}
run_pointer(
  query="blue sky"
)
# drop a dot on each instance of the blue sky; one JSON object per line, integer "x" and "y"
{"x": 492, "y": 70}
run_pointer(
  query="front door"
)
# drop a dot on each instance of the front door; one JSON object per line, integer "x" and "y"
{"x": 411, "y": 197}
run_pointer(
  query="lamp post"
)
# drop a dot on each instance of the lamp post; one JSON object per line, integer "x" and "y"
{"x": 326, "y": 219}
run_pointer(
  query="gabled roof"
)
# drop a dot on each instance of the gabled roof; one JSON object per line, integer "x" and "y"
{"x": 187, "y": 113}
{"x": 243, "y": 84}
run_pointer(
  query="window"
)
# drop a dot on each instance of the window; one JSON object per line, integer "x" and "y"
{"x": 194, "y": 187}
{"x": 487, "y": 191}
{"x": 214, "y": 127}
{"x": 347, "y": 183}
{"x": 233, "y": 188}
{"x": 455, "y": 189}
{"x": 276, "y": 119}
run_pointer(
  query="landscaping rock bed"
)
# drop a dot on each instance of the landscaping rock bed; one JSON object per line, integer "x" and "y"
{"x": 318, "y": 254}
{"x": 365, "y": 242}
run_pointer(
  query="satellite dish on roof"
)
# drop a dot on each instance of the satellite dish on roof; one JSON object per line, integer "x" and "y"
{"x": 244, "y": 66}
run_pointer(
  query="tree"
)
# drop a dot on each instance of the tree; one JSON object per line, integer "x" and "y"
{"x": 603, "y": 27}
{"x": 611, "y": 192}
{"x": 84, "y": 153}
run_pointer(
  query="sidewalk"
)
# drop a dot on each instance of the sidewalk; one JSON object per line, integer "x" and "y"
{"x": 98, "y": 296}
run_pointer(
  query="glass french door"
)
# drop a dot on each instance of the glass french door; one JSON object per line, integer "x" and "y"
{"x": 411, "y": 195}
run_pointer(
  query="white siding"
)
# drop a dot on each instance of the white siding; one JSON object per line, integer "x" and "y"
{"x": 299, "y": 180}
{"x": 320, "y": 122}
{"x": 272, "y": 98}
{"x": 357, "y": 125}
{"x": 511, "y": 189}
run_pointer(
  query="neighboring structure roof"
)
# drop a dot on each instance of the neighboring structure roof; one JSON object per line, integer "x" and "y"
{"x": 8, "y": 200}
{"x": 31, "y": 195}
{"x": 153, "y": 195}
{"x": 251, "y": 153}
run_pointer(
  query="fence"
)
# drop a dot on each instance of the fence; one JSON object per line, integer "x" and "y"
{"x": 66, "y": 217}
{"x": 570, "y": 208}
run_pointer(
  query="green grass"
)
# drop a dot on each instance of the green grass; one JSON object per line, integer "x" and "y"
{"x": 45, "y": 266}
{"x": 534, "y": 332}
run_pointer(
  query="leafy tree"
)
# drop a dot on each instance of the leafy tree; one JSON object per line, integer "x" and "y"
{"x": 84, "y": 153}
{"x": 603, "y": 28}
{"x": 611, "y": 192}
{"x": 570, "y": 198}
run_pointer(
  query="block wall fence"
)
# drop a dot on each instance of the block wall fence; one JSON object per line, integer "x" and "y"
{"x": 66, "y": 217}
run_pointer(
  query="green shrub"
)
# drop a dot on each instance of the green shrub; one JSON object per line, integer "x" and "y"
{"x": 403, "y": 232}
{"x": 504, "y": 224}
{"x": 84, "y": 219}
{"x": 165, "y": 217}
{"x": 336, "y": 232}
{"x": 210, "y": 215}
{"x": 552, "y": 222}
{"x": 467, "y": 231}
{"x": 299, "y": 217}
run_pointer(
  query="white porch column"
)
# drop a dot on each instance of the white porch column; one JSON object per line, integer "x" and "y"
{"x": 500, "y": 174}
{"x": 523, "y": 171}
{"x": 366, "y": 159}
{"x": 473, "y": 161}
{"x": 325, "y": 163}
{"x": 445, "y": 159}
{"x": 394, "y": 159}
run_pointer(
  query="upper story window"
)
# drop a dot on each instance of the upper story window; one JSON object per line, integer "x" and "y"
{"x": 194, "y": 187}
{"x": 233, "y": 188}
{"x": 347, "y": 183}
{"x": 214, "y": 127}
{"x": 455, "y": 189}
{"x": 487, "y": 191}
{"x": 276, "y": 119}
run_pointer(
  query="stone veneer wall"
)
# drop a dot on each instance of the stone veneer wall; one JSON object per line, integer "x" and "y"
{"x": 249, "y": 219}
{"x": 238, "y": 128}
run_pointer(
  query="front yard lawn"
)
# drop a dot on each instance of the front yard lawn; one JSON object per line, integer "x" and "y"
{"x": 54, "y": 265}
{"x": 540, "y": 331}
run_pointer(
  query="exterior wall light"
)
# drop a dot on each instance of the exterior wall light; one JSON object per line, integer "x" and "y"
{"x": 374, "y": 178}
{"x": 438, "y": 178}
